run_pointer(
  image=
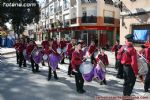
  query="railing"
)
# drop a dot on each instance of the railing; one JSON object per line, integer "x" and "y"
{"x": 110, "y": 2}
{"x": 88, "y": 1}
{"x": 89, "y": 19}
{"x": 109, "y": 20}
{"x": 58, "y": 9}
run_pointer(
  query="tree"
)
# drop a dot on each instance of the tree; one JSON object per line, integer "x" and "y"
{"x": 21, "y": 16}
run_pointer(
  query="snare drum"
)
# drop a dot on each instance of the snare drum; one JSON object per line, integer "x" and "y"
{"x": 54, "y": 60}
{"x": 99, "y": 72}
{"x": 142, "y": 67}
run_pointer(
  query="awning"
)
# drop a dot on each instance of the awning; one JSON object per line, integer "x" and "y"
{"x": 82, "y": 28}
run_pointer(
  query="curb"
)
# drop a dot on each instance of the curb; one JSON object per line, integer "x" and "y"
{"x": 7, "y": 53}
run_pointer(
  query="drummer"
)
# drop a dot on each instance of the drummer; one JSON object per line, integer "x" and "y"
{"x": 76, "y": 61}
{"x": 62, "y": 45}
{"x": 21, "y": 47}
{"x": 103, "y": 57}
{"x": 45, "y": 45}
{"x": 30, "y": 49}
{"x": 92, "y": 48}
{"x": 52, "y": 49}
{"x": 147, "y": 79}
{"x": 17, "y": 41}
{"x": 70, "y": 49}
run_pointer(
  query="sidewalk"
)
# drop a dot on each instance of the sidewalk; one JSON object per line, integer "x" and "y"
{"x": 4, "y": 50}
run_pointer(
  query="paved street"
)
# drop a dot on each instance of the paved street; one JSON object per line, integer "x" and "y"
{"x": 22, "y": 84}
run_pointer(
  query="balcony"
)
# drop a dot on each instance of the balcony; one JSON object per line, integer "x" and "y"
{"x": 110, "y": 2}
{"x": 58, "y": 9}
{"x": 73, "y": 20}
{"x": 88, "y": 1}
{"x": 89, "y": 19}
{"x": 109, "y": 20}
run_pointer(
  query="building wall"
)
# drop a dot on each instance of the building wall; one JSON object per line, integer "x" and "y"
{"x": 127, "y": 21}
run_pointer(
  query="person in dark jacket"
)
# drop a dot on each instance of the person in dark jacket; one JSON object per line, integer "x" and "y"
{"x": 76, "y": 61}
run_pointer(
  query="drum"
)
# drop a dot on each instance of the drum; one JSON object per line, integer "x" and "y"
{"x": 100, "y": 71}
{"x": 87, "y": 71}
{"x": 45, "y": 57}
{"x": 142, "y": 66}
{"x": 54, "y": 60}
{"x": 26, "y": 57}
{"x": 59, "y": 50}
{"x": 89, "y": 77}
{"x": 37, "y": 57}
{"x": 86, "y": 67}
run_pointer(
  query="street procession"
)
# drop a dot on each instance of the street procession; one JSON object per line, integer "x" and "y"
{"x": 87, "y": 62}
{"x": 75, "y": 49}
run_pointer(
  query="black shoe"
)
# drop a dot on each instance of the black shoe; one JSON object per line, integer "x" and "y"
{"x": 56, "y": 78}
{"x": 101, "y": 83}
{"x": 38, "y": 71}
{"x": 43, "y": 64}
{"x": 49, "y": 78}
{"x": 83, "y": 90}
{"x": 146, "y": 91}
{"x": 24, "y": 66}
{"x": 80, "y": 91}
{"x": 57, "y": 68}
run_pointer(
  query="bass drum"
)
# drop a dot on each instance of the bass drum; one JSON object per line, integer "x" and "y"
{"x": 142, "y": 66}
{"x": 100, "y": 71}
{"x": 87, "y": 71}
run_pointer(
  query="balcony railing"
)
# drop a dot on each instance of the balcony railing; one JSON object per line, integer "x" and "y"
{"x": 109, "y": 20}
{"x": 58, "y": 9}
{"x": 89, "y": 19}
{"x": 88, "y": 1}
{"x": 73, "y": 20}
{"x": 110, "y": 2}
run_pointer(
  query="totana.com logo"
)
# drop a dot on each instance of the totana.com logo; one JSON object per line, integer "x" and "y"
{"x": 18, "y": 4}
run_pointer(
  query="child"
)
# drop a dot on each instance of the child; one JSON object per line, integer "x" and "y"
{"x": 102, "y": 57}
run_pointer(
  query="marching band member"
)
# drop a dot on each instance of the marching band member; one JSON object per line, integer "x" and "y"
{"x": 129, "y": 61}
{"x": 52, "y": 49}
{"x": 62, "y": 46}
{"x": 30, "y": 48}
{"x": 45, "y": 46}
{"x": 103, "y": 57}
{"x": 21, "y": 47}
{"x": 92, "y": 48}
{"x": 115, "y": 49}
{"x": 76, "y": 61}
{"x": 119, "y": 65}
{"x": 16, "y": 47}
{"x": 147, "y": 79}
{"x": 70, "y": 49}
